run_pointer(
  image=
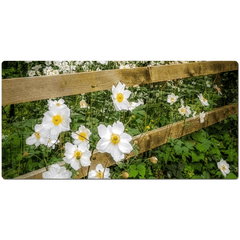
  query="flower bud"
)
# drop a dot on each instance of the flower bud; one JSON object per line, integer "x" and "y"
{"x": 135, "y": 142}
{"x": 25, "y": 154}
{"x": 125, "y": 175}
{"x": 153, "y": 160}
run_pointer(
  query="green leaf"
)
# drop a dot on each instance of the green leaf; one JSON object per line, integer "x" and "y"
{"x": 180, "y": 166}
{"x": 132, "y": 167}
{"x": 141, "y": 169}
{"x": 133, "y": 173}
{"x": 200, "y": 147}
{"x": 198, "y": 136}
{"x": 231, "y": 176}
{"x": 196, "y": 157}
{"x": 206, "y": 175}
{"x": 198, "y": 166}
{"x": 178, "y": 149}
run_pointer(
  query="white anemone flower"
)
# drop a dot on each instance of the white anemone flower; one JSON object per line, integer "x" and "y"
{"x": 182, "y": 110}
{"x": 99, "y": 172}
{"x": 114, "y": 141}
{"x": 81, "y": 136}
{"x": 56, "y": 120}
{"x": 133, "y": 105}
{"x": 172, "y": 98}
{"x": 120, "y": 97}
{"x": 55, "y": 171}
{"x": 202, "y": 116}
{"x": 77, "y": 156}
{"x": 83, "y": 104}
{"x": 37, "y": 138}
{"x": 52, "y": 142}
{"x": 59, "y": 103}
{"x": 203, "y": 100}
{"x": 208, "y": 84}
{"x": 224, "y": 167}
{"x": 194, "y": 114}
{"x": 188, "y": 111}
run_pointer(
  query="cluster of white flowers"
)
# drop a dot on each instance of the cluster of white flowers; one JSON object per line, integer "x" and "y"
{"x": 55, "y": 121}
{"x": 184, "y": 110}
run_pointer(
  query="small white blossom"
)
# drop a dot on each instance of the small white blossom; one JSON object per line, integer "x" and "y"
{"x": 202, "y": 116}
{"x": 208, "y": 84}
{"x": 39, "y": 137}
{"x": 81, "y": 136}
{"x": 55, "y": 171}
{"x": 133, "y": 105}
{"x": 224, "y": 167}
{"x": 99, "y": 172}
{"x": 120, "y": 96}
{"x": 83, "y": 104}
{"x": 172, "y": 98}
{"x": 60, "y": 103}
{"x": 77, "y": 156}
{"x": 203, "y": 100}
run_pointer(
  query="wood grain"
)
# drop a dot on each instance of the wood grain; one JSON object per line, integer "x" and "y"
{"x": 21, "y": 90}
{"x": 153, "y": 139}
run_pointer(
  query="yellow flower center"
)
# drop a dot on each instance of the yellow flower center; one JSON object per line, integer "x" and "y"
{"x": 115, "y": 139}
{"x": 58, "y": 105}
{"x": 204, "y": 99}
{"x": 57, "y": 120}
{"x": 82, "y": 136}
{"x": 172, "y": 99}
{"x": 37, "y": 135}
{"x": 223, "y": 168}
{"x": 99, "y": 174}
{"x": 77, "y": 154}
{"x": 119, "y": 97}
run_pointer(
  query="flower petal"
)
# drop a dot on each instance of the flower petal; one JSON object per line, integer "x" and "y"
{"x": 125, "y": 147}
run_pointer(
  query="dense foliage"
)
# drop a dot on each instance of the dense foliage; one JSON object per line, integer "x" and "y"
{"x": 192, "y": 156}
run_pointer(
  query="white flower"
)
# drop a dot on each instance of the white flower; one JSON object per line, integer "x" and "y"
{"x": 224, "y": 167}
{"x": 39, "y": 137}
{"x": 81, "y": 136}
{"x": 188, "y": 111}
{"x": 208, "y": 84}
{"x": 157, "y": 94}
{"x": 48, "y": 63}
{"x": 202, "y": 116}
{"x": 181, "y": 82}
{"x": 114, "y": 140}
{"x": 55, "y": 171}
{"x": 99, "y": 172}
{"x": 51, "y": 142}
{"x": 55, "y": 72}
{"x": 172, "y": 98}
{"x": 124, "y": 66}
{"x": 182, "y": 102}
{"x": 133, "y": 105}
{"x": 56, "y": 120}
{"x": 77, "y": 156}
{"x": 194, "y": 114}
{"x": 31, "y": 73}
{"x": 194, "y": 83}
{"x": 103, "y": 62}
{"x": 182, "y": 110}
{"x": 120, "y": 97}
{"x": 60, "y": 103}
{"x": 83, "y": 104}
{"x": 203, "y": 100}
{"x": 78, "y": 62}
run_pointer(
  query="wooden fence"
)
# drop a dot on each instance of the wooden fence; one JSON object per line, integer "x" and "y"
{"x": 31, "y": 89}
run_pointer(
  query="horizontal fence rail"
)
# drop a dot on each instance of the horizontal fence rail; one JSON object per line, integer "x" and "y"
{"x": 19, "y": 90}
{"x": 152, "y": 139}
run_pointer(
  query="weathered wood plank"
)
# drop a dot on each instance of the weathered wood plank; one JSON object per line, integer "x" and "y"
{"x": 20, "y": 90}
{"x": 153, "y": 139}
